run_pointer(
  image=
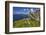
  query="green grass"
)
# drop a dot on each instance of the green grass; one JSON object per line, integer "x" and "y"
{"x": 21, "y": 23}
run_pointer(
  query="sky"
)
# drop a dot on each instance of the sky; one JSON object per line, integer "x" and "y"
{"x": 23, "y": 10}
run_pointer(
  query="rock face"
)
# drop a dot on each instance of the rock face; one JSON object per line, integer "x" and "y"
{"x": 35, "y": 15}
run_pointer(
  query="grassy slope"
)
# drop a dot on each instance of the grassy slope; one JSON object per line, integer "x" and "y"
{"x": 21, "y": 23}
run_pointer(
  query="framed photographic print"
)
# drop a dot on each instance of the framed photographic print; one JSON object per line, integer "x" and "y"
{"x": 24, "y": 17}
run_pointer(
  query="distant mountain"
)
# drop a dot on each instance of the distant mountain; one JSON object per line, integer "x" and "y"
{"x": 19, "y": 16}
